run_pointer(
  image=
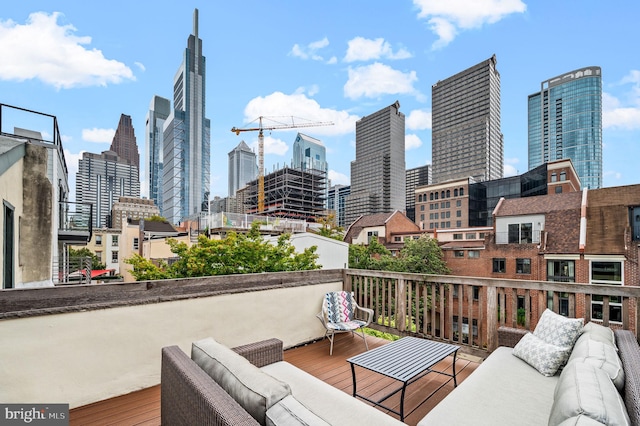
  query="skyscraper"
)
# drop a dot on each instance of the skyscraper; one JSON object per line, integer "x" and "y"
{"x": 242, "y": 167}
{"x": 466, "y": 138}
{"x": 310, "y": 154}
{"x": 378, "y": 172}
{"x": 186, "y": 150}
{"x": 565, "y": 121}
{"x": 159, "y": 110}
{"x": 124, "y": 141}
{"x": 102, "y": 179}
{"x": 416, "y": 177}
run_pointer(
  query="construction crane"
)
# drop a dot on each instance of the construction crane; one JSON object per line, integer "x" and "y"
{"x": 275, "y": 123}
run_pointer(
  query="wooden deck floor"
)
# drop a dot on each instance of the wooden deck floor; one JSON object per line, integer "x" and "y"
{"x": 143, "y": 407}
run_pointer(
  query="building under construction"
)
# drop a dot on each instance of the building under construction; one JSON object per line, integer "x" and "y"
{"x": 290, "y": 193}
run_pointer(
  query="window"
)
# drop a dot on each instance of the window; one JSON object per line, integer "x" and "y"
{"x": 476, "y": 292}
{"x": 471, "y": 236}
{"x": 448, "y": 193}
{"x": 520, "y": 233}
{"x": 455, "y": 192}
{"x": 561, "y": 271}
{"x": 554, "y": 177}
{"x": 114, "y": 256}
{"x": 458, "y": 213}
{"x": 422, "y": 208}
{"x": 558, "y": 190}
{"x": 114, "y": 241}
{"x": 442, "y": 194}
{"x": 457, "y": 236}
{"x": 461, "y": 192}
{"x": 436, "y": 197}
{"x": 436, "y": 216}
{"x": 458, "y": 253}
{"x": 635, "y": 222}
{"x": 606, "y": 272}
{"x": 448, "y": 204}
{"x": 563, "y": 175}
{"x": 431, "y": 196}
{"x": 442, "y": 205}
{"x": 421, "y": 217}
{"x": 458, "y": 223}
{"x": 98, "y": 240}
{"x": 474, "y": 254}
{"x": 499, "y": 265}
{"x": 481, "y": 235}
{"x": 99, "y": 256}
{"x": 465, "y": 329}
{"x": 523, "y": 266}
{"x": 458, "y": 203}
{"x": 135, "y": 243}
{"x": 371, "y": 235}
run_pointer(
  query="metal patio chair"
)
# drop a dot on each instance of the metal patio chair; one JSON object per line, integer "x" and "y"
{"x": 340, "y": 314}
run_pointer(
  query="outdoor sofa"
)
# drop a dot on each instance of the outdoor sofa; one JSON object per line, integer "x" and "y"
{"x": 255, "y": 388}
{"x": 598, "y": 384}
{"x": 503, "y": 390}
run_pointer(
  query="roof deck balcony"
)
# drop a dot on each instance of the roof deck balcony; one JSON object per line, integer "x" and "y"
{"x": 90, "y": 343}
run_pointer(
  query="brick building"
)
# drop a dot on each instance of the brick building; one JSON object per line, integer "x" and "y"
{"x": 589, "y": 237}
{"x": 390, "y": 229}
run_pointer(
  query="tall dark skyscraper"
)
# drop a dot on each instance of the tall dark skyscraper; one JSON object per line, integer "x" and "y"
{"x": 186, "y": 150}
{"x": 378, "y": 172}
{"x": 466, "y": 137}
{"x": 565, "y": 122}
{"x": 124, "y": 141}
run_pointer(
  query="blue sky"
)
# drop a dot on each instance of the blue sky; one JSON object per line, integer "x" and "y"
{"x": 88, "y": 62}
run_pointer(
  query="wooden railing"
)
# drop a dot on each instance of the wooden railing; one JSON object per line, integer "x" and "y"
{"x": 468, "y": 311}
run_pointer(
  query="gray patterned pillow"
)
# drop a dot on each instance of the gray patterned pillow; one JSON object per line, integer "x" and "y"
{"x": 558, "y": 330}
{"x": 543, "y": 356}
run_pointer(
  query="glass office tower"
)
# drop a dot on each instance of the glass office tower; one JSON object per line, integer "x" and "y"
{"x": 186, "y": 150}
{"x": 242, "y": 167}
{"x": 159, "y": 111}
{"x": 565, "y": 122}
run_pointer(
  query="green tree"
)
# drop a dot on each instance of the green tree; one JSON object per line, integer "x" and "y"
{"x": 85, "y": 252}
{"x": 235, "y": 254}
{"x": 330, "y": 228}
{"x": 423, "y": 256}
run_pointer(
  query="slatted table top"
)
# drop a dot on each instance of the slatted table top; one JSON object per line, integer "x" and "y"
{"x": 405, "y": 358}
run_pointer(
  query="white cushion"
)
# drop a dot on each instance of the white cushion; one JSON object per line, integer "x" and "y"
{"x": 601, "y": 355}
{"x": 255, "y": 390}
{"x": 543, "y": 356}
{"x": 558, "y": 330}
{"x": 290, "y": 412}
{"x": 586, "y": 390}
{"x": 595, "y": 331}
{"x": 581, "y": 420}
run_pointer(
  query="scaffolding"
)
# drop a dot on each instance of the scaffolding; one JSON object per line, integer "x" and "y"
{"x": 290, "y": 193}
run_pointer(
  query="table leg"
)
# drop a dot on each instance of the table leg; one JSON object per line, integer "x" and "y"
{"x": 404, "y": 387}
{"x": 455, "y": 379}
{"x": 353, "y": 376}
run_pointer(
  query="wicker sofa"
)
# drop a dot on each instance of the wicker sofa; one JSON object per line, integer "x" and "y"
{"x": 190, "y": 396}
{"x": 505, "y": 390}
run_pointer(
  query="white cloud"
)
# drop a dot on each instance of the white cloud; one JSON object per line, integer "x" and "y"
{"x": 412, "y": 142}
{"x": 50, "y": 52}
{"x": 362, "y": 49}
{"x": 623, "y": 113}
{"x": 447, "y": 17}
{"x": 372, "y": 81}
{"x": 418, "y": 119}
{"x": 140, "y": 66}
{"x": 272, "y": 145}
{"x": 510, "y": 170}
{"x": 310, "y": 51}
{"x": 338, "y": 178}
{"x": 306, "y": 110}
{"x": 98, "y": 135}
{"x": 613, "y": 175}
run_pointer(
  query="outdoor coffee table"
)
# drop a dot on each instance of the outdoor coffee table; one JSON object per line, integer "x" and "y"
{"x": 406, "y": 360}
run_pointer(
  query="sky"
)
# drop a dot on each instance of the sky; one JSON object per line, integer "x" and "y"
{"x": 327, "y": 61}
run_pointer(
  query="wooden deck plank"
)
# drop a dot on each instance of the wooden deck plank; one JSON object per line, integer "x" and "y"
{"x": 142, "y": 408}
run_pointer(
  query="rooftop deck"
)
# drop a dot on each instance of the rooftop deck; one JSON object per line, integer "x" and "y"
{"x": 143, "y": 407}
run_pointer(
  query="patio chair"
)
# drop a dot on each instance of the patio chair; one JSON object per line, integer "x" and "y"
{"x": 340, "y": 314}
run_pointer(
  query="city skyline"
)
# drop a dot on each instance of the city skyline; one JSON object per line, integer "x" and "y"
{"x": 336, "y": 67}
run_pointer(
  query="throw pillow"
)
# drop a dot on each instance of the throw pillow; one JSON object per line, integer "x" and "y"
{"x": 601, "y": 355}
{"x": 583, "y": 389}
{"x": 543, "y": 356}
{"x": 255, "y": 390}
{"x": 558, "y": 330}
